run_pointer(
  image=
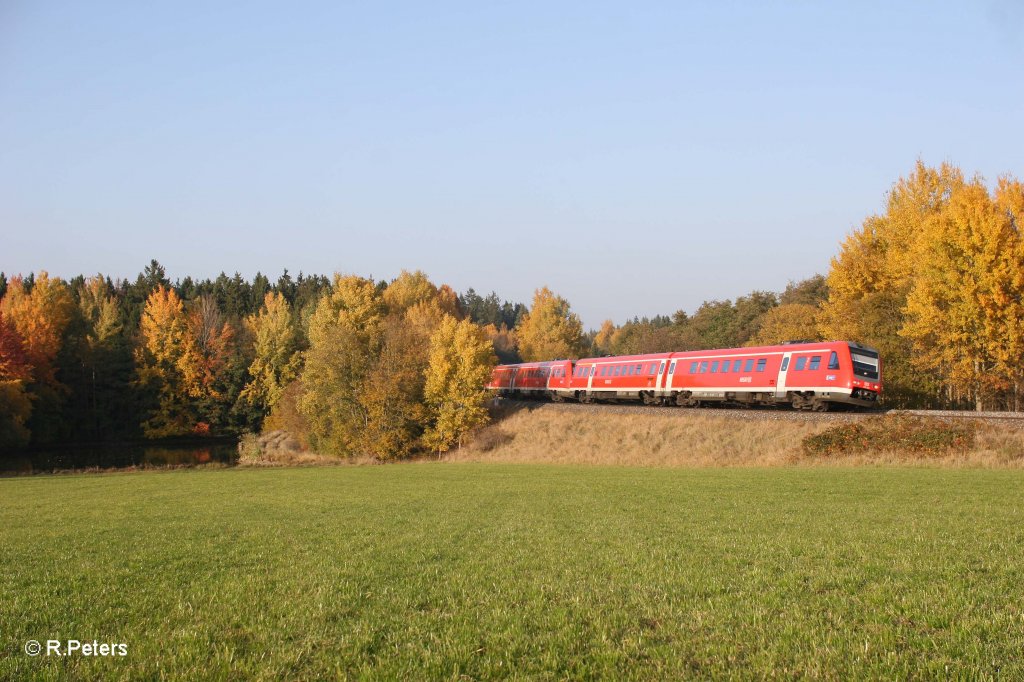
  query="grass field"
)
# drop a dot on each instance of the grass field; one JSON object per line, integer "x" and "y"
{"x": 469, "y": 571}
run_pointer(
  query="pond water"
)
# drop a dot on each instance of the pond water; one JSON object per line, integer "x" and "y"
{"x": 119, "y": 455}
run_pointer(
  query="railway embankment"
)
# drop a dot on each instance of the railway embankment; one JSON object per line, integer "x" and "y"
{"x": 533, "y": 432}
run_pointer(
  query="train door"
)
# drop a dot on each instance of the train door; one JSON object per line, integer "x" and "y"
{"x": 512, "y": 380}
{"x": 661, "y": 376}
{"x": 780, "y": 386}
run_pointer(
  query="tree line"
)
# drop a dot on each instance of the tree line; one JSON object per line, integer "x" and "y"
{"x": 356, "y": 366}
{"x": 93, "y": 359}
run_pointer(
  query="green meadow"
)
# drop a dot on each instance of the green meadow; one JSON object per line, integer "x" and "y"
{"x": 481, "y": 571}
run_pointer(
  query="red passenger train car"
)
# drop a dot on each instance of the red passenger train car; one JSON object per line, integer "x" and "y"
{"x": 810, "y": 376}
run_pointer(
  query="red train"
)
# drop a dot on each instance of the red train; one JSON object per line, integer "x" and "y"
{"x": 808, "y": 376}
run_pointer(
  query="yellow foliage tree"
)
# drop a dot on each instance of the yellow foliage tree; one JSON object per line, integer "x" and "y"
{"x": 391, "y": 394}
{"x": 364, "y": 373}
{"x": 964, "y": 312}
{"x": 603, "y": 339}
{"x": 277, "y": 359}
{"x": 550, "y": 330}
{"x": 461, "y": 358}
{"x": 353, "y": 303}
{"x": 787, "y": 322}
{"x": 164, "y": 335}
{"x": 408, "y": 289}
{"x": 41, "y": 317}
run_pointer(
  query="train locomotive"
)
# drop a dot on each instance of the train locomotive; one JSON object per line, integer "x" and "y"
{"x": 805, "y": 375}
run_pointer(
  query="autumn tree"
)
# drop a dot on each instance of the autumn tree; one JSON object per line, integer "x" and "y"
{"x": 345, "y": 336}
{"x": 602, "y": 344}
{"x": 964, "y": 311}
{"x": 14, "y": 362}
{"x": 41, "y": 315}
{"x": 787, "y": 322}
{"x": 811, "y": 291}
{"x": 391, "y": 393}
{"x": 461, "y": 358}
{"x": 206, "y": 361}
{"x": 277, "y": 359}
{"x": 550, "y": 330}
{"x": 164, "y": 331}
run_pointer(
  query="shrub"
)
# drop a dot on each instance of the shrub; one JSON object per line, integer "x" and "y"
{"x": 915, "y": 435}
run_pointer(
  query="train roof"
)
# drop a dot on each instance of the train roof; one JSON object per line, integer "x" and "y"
{"x": 647, "y": 357}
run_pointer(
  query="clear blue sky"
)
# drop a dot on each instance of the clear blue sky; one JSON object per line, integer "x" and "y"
{"x": 638, "y": 158}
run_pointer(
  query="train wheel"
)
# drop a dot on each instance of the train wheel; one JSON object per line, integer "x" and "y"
{"x": 819, "y": 406}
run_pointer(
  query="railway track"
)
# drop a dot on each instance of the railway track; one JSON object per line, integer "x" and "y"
{"x": 1013, "y": 419}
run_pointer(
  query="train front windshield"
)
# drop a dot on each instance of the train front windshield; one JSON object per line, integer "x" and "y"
{"x": 865, "y": 362}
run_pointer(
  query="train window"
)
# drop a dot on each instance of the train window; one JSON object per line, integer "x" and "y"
{"x": 714, "y": 367}
{"x": 725, "y": 366}
{"x": 833, "y": 361}
{"x": 800, "y": 363}
{"x": 748, "y": 365}
{"x": 785, "y": 364}
{"x": 736, "y": 365}
{"x": 640, "y": 368}
{"x": 672, "y": 368}
{"x": 815, "y": 362}
{"x": 653, "y": 370}
{"x": 618, "y": 370}
{"x": 703, "y": 367}
{"x": 761, "y": 362}
{"x": 693, "y": 367}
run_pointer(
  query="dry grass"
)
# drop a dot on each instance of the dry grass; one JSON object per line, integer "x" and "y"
{"x": 697, "y": 440}
{"x": 288, "y": 459}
